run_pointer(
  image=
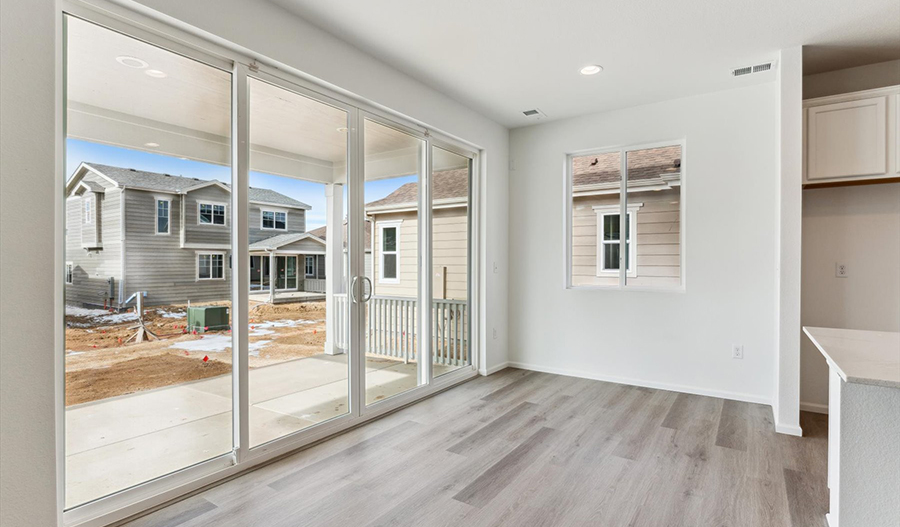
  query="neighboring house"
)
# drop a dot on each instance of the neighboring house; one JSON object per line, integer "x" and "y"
{"x": 395, "y": 238}
{"x": 322, "y": 234}
{"x": 129, "y": 230}
{"x": 654, "y": 205}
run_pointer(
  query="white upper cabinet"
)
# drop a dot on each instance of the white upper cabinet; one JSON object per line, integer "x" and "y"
{"x": 851, "y": 136}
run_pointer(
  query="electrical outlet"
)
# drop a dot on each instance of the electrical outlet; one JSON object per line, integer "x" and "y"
{"x": 840, "y": 270}
{"x": 737, "y": 351}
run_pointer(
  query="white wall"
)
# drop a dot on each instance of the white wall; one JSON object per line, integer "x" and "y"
{"x": 27, "y": 401}
{"x": 673, "y": 340}
{"x": 859, "y": 227}
{"x": 849, "y": 80}
{"x": 28, "y": 179}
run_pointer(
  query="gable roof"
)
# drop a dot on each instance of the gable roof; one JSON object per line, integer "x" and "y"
{"x": 448, "y": 186}
{"x": 322, "y": 233}
{"x": 154, "y": 181}
{"x": 281, "y": 240}
{"x": 643, "y": 165}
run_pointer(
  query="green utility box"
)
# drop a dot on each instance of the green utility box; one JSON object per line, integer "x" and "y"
{"x": 207, "y": 318}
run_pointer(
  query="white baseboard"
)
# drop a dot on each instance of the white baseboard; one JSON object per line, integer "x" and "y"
{"x": 734, "y": 396}
{"x": 814, "y": 407}
{"x": 791, "y": 430}
{"x": 494, "y": 369}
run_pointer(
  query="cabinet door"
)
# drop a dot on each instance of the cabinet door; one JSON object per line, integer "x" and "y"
{"x": 847, "y": 139}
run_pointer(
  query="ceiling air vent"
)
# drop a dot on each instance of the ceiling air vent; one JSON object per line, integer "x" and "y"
{"x": 535, "y": 114}
{"x": 747, "y": 70}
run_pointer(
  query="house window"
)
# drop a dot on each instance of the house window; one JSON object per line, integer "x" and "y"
{"x": 70, "y": 272}
{"x": 163, "y": 207}
{"x": 88, "y": 209}
{"x": 272, "y": 219}
{"x": 609, "y": 232}
{"x": 210, "y": 266}
{"x": 389, "y": 254}
{"x": 310, "y": 266}
{"x": 212, "y": 214}
{"x": 624, "y": 218}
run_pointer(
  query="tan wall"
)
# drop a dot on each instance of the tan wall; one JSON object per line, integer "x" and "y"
{"x": 450, "y": 246}
{"x": 658, "y": 234}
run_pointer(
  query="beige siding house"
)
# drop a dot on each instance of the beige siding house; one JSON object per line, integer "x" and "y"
{"x": 395, "y": 238}
{"x": 654, "y": 211}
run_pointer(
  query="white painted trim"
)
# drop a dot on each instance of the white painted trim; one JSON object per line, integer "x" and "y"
{"x": 209, "y": 183}
{"x": 210, "y": 246}
{"x": 852, "y": 96}
{"x": 609, "y": 210}
{"x": 274, "y": 211}
{"x": 817, "y": 408}
{"x": 156, "y": 201}
{"x": 315, "y": 262}
{"x": 494, "y": 369}
{"x": 680, "y": 388}
{"x": 212, "y": 219}
{"x": 791, "y": 430}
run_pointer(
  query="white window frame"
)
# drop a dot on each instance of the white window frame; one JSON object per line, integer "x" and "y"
{"x": 168, "y": 201}
{"x": 382, "y": 225}
{"x": 275, "y": 212}
{"x": 200, "y": 254}
{"x": 613, "y": 210}
{"x": 315, "y": 266}
{"x": 624, "y": 208}
{"x": 213, "y": 204}
{"x": 87, "y": 209}
{"x": 70, "y": 273}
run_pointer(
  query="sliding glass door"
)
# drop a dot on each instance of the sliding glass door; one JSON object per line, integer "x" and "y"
{"x": 251, "y": 264}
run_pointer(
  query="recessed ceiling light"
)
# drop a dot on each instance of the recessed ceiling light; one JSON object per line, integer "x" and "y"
{"x": 131, "y": 62}
{"x": 151, "y": 145}
{"x": 156, "y": 74}
{"x": 592, "y": 69}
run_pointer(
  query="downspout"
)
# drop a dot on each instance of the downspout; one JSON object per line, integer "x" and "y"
{"x": 122, "y": 226}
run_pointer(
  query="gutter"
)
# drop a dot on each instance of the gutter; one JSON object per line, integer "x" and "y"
{"x": 122, "y": 226}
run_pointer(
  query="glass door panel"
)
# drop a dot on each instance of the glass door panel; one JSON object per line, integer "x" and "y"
{"x": 148, "y": 383}
{"x": 299, "y": 370}
{"x": 392, "y": 168}
{"x": 450, "y": 233}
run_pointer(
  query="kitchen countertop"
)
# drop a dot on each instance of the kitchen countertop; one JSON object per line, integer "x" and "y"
{"x": 862, "y": 357}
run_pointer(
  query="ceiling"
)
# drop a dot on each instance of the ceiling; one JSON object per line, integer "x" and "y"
{"x": 505, "y": 56}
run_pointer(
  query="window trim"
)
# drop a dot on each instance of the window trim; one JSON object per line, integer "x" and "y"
{"x": 390, "y": 224}
{"x": 315, "y": 266}
{"x": 213, "y": 204}
{"x": 69, "y": 273}
{"x": 156, "y": 216}
{"x": 198, "y": 255}
{"x": 613, "y": 210}
{"x": 623, "y": 196}
{"x": 274, "y": 211}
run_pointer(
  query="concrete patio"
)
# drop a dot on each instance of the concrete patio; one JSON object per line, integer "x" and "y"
{"x": 123, "y": 441}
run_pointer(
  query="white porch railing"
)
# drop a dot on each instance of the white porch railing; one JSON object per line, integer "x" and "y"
{"x": 391, "y": 328}
{"x": 314, "y": 285}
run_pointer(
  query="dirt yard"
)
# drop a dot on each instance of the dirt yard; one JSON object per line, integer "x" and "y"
{"x": 100, "y": 363}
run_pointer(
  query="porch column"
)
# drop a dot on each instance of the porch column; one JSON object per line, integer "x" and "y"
{"x": 273, "y": 272}
{"x": 334, "y": 269}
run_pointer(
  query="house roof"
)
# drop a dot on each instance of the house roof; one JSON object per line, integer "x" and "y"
{"x": 642, "y": 165}
{"x": 322, "y": 233}
{"x": 281, "y": 240}
{"x": 129, "y": 177}
{"x": 447, "y": 186}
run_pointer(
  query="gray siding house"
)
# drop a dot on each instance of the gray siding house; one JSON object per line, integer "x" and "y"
{"x": 128, "y": 231}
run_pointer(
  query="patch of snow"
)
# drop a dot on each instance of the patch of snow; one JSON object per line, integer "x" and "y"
{"x": 170, "y": 314}
{"x": 216, "y": 344}
{"x": 98, "y": 316}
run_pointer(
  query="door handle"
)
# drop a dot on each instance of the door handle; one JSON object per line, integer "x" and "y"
{"x": 353, "y": 289}
{"x": 369, "y": 296}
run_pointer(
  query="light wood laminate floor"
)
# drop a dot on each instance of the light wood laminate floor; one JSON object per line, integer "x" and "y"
{"x": 523, "y": 448}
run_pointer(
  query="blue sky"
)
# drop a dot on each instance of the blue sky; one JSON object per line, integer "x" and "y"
{"x": 310, "y": 193}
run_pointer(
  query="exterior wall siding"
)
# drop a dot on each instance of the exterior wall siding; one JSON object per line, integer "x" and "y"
{"x": 91, "y": 269}
{"x": 658, "y": 239}
{"x": 194, "y": 232}
{"x": 157, "y": 264}
{"x": 296, "y": 222}
{"x": 450, "y": 251}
